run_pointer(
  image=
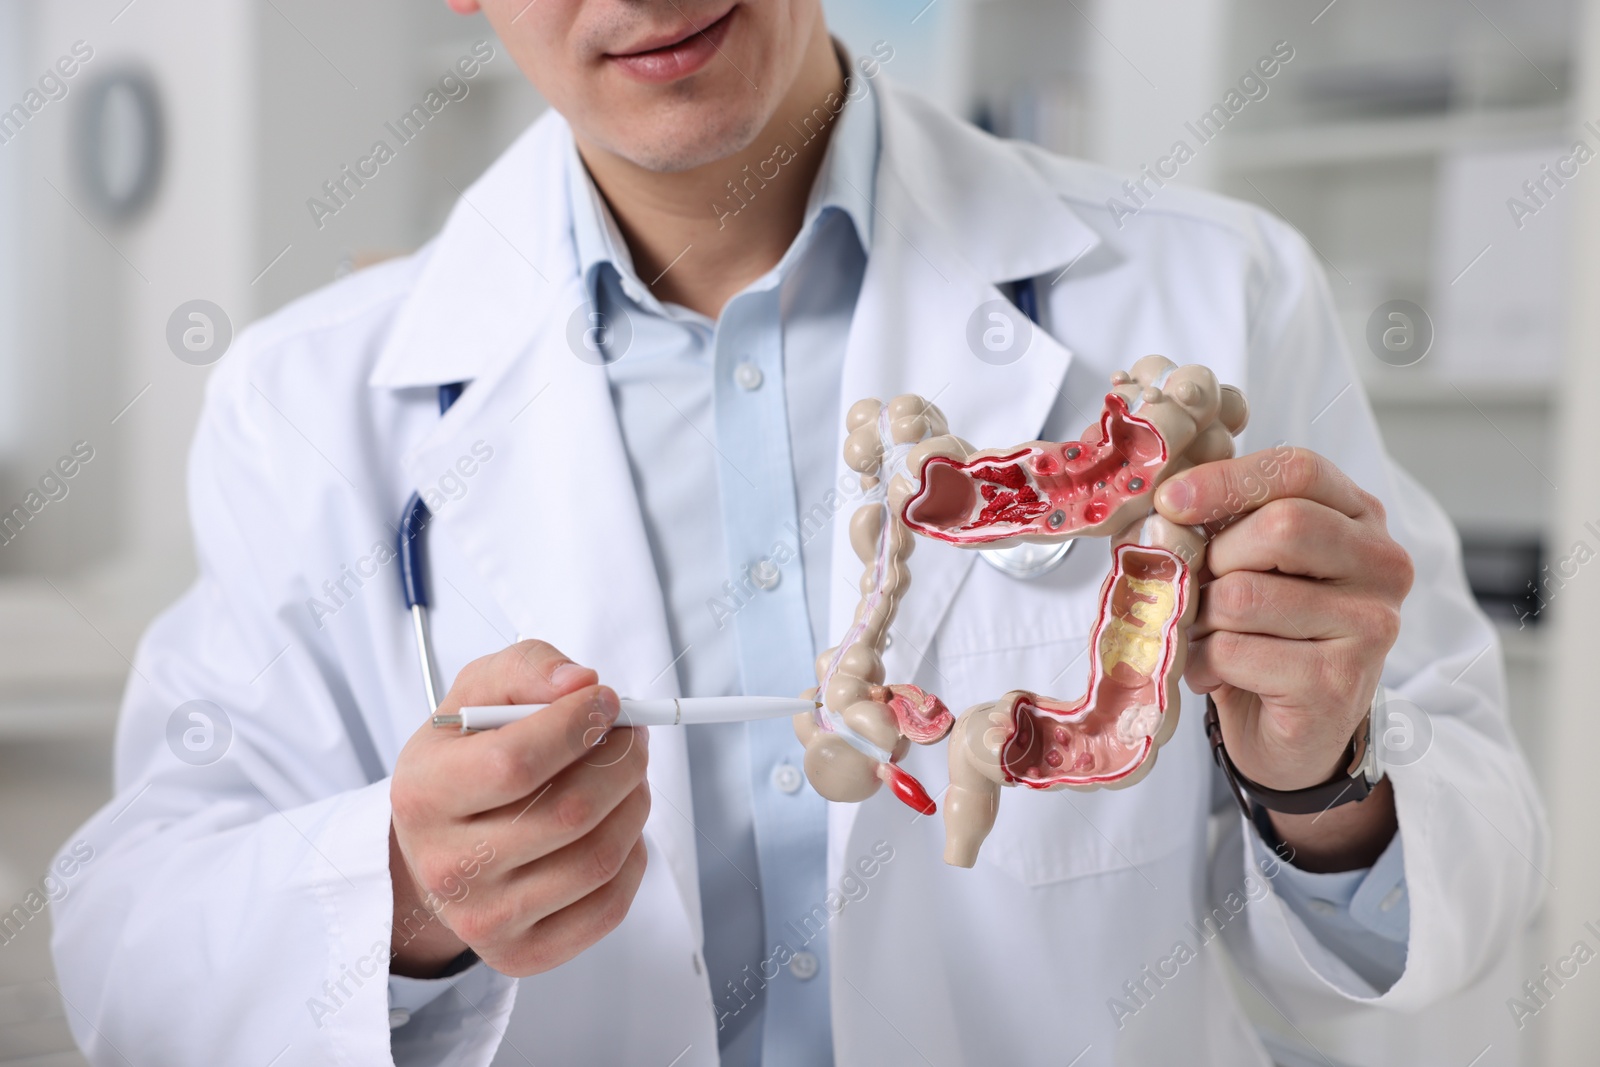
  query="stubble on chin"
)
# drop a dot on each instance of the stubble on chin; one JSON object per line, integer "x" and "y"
{"x": 680, "y": 143}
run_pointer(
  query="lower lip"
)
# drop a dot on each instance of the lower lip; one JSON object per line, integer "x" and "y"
{"x": 676, "y": 61}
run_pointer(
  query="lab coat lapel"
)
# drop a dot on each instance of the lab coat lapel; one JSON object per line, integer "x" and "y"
{"x": 552, "y": 521}
{"x": 957, "y": 215}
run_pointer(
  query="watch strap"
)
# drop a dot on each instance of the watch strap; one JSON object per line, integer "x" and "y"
{"x": 1346, "y": 786}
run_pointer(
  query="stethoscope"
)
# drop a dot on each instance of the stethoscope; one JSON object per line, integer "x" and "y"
{"x": 1022, "y": 561}
{"x": 413, "y": 583}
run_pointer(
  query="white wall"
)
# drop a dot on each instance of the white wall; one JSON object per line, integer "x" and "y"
{"x": 332, "y": 78}
{"x": 12, "y": 76}
{"x": 1568, "y": 1031}
{"x": 195, "y": 243}
{"x": 1154, "y": 65}
{"x": 929, "y": 41}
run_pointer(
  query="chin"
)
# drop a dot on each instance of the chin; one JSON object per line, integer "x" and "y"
{"x": 683, "y": 139}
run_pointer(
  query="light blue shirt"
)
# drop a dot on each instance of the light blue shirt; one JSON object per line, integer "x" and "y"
{"x": 1363, "y": 917}
{"x": 730, "y": 428}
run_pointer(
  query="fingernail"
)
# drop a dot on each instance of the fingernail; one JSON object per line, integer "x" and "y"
{"x": 606, "y": 700}
{"x": 1177, "y": 495}
{"x": 568, "y": 676}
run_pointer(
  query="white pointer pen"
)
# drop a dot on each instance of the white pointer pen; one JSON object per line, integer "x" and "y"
{"x": 679, "y": 711}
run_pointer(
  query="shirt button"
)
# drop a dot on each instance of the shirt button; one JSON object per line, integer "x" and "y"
{"x": 803, "y": 966}
{"x": 398, "y": 1017}
{"x": 766, "y": 574}
{"x": 748, "y": 376}
{"x": 1391, "y": 898}
{"x": 787, "y": 777}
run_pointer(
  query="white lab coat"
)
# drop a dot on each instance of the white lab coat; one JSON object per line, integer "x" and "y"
{"x": 224, "y": 897}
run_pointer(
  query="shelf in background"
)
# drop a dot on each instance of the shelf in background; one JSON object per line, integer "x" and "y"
{"x": 66, "y": 644}
{"x": 1387, "y": 139}
{"x": 1525, "y": 646}
{"x": 1422, "y": 391}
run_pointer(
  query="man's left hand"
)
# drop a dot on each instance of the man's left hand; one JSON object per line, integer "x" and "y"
{"x": 1299, "y": 604}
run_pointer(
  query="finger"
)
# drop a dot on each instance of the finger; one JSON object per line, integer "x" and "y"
{"x": 568, "y": 806}
{"x": 1213, "y": 493}
{"x": 528, "y": 672}
{"x": 1199, "y": 673}
{"x": 1234, "y": 411}
{"x": 1296, "y": 537}
{"x": 479, "y": 772}
{"x": 1283, "y": 669}
{"x": 1277, "y": 605}
{"x": 559, "y": 937}
{"x": 567, "y": 875}
{"x": 608, "y": 744}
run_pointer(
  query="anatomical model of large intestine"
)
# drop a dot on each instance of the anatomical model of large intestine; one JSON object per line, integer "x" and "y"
{"x": 1158, "y": 419}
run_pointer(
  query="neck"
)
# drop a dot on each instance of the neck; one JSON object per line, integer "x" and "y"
{"x": 699, "y": 236}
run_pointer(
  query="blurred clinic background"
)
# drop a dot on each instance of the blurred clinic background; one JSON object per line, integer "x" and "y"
{"x": 1427, "y": 149}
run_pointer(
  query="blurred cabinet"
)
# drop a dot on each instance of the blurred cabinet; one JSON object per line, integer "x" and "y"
{"x": 1398, "y": 150}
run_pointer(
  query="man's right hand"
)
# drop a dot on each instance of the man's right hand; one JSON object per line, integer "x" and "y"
{"x": 523, "y": 843}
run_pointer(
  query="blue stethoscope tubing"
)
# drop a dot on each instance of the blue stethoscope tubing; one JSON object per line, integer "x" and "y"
{"x": 1024, "y": 561}
{"x": 413, "y": 580}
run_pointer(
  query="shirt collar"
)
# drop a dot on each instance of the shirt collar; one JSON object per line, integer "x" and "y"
{"x": 844, "y": 183}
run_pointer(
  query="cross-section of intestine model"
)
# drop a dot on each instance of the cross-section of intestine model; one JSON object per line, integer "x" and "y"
{"x": 1157, "y": 420}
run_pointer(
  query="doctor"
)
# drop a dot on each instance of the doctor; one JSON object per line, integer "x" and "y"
{"x": 661, "y": 299}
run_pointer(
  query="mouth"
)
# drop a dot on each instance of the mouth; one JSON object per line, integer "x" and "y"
{"x": 666, "y": 57}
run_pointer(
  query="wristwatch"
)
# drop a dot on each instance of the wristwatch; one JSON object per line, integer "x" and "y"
{"x": 1362, "y": 770}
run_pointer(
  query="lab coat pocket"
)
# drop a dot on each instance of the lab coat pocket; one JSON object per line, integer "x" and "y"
{"x": 1041, "y": 837}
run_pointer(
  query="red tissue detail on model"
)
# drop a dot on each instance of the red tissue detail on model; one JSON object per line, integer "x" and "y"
{"x": 907, "y": 788}
{"x": 920, "y": 715}
{"x": 1078, "y": 484}
{"x": 1010, "y": 477}
{"x": 1054, "y": 742}
{"x": 1007, "y": 495}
